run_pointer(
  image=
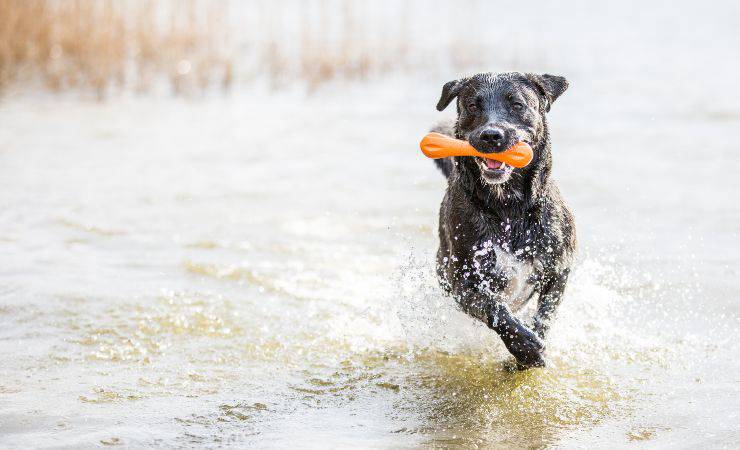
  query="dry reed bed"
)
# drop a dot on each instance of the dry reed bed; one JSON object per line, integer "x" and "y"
{"x": 193, "y": 44}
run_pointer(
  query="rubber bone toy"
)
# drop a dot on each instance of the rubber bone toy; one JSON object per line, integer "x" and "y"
{"x": 436, "y": 145}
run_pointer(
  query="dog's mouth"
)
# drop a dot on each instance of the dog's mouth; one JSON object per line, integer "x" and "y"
{"x": 494, "y": 171}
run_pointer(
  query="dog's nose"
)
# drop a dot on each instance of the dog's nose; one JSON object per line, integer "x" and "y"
{"x": 493, "y": 136}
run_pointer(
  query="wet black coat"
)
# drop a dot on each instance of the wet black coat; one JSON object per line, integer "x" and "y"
{"x": 522, "y": 217}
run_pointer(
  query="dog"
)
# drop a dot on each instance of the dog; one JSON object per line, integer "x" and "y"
{"x": 505, "y": 234}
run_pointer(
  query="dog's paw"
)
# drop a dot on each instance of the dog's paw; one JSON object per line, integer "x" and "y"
{"x": 521, "y": 342}
{"x": 528, "y": 349}
{"x": 514, "y": 366}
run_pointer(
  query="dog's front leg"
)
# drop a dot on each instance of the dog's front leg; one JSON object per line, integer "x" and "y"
{"x": 521, "y": 342}
{"x": 550, "y": 298}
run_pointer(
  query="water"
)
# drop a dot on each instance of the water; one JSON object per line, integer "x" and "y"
{"x": 257, "y": 269}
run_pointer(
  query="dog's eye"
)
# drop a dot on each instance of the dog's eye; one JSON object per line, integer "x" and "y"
{"x": 472, "y": 107}
{"x": 517, "y": 106}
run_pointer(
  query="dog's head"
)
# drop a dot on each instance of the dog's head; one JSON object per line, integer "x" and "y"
{"x": 495, "y": 111}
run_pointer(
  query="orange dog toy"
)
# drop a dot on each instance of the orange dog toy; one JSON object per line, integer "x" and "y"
{"x": 436, "y": 145}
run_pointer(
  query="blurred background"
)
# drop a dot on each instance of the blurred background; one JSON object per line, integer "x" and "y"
{"x": 216, "y": 227}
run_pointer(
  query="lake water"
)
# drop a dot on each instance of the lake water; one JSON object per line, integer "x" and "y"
{"x": 257, "y": 269}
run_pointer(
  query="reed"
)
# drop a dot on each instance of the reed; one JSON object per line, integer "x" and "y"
{"x": 192, "y": 45}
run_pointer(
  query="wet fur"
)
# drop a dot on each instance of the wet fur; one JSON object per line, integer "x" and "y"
{"x": 523, "y": 219}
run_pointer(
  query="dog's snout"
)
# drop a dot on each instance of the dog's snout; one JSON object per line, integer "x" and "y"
{"x": 493, "y": 136}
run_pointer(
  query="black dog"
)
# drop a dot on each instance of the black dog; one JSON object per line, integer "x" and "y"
{"x": 505, "y": 234}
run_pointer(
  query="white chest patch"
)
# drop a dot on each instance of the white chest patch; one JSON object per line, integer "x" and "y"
{"x": 518, "y": 289}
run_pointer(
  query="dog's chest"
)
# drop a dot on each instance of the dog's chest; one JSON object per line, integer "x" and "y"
{"x": 514, "y": 275}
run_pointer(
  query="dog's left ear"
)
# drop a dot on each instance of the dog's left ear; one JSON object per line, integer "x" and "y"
{"x": 550, "y": 86}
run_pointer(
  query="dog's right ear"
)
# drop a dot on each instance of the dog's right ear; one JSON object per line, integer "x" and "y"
{"x": 450, "y": 91}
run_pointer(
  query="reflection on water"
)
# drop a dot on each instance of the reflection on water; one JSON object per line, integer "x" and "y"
{"x": 478, "y": 403}
{"x": 465, "y": 400}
